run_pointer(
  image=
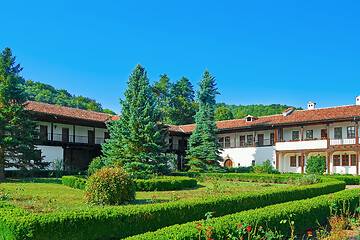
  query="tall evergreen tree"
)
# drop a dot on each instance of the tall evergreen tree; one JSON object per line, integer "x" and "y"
{"x": 182, "y": 107}
{"x": 204, "y": 151}
{"x": 161, "y": 90}
{"x": 137, "y": 141}
{"x": 17, "y": 130}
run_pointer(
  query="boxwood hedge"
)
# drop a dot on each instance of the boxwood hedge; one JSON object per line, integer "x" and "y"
{"x": 306, "y": 214}
{"x": 159, "y": 184}
{"x": 120, "y": 222}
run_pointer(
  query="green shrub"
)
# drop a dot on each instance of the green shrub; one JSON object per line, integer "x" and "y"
{"x": 306, "y": 215}
{"x": 265, "y": 167}
{"x": 96, "y": 164}
{"x": 165, "y": 184}
{"x": 74, "y": 181}
{"x": 41, "y": 173}
{"x": 120, "y": 222}
{"x": 110, "y": 186}
{"x": 316, "y": 165}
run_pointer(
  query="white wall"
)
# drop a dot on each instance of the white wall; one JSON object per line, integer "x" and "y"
{"x": 302, "y": 145}
{"x": 343, "y": 125}
{"x": 243, "y": 157}
{"x": 342, "y": 169}
{"x": 50, "y": 153}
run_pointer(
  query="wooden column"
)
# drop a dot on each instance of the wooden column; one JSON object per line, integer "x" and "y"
{"x": 277, "y": 160}
{"x": 73, "y": 133}
{"x": 275, "y": 136}
{"x": 302, "y": 133}
{"x": 302, "y": 162}
{"x": 357, "y": 163}
{"x": 235, "y": 141}
{"x": 328, "y": 134}
{"x": 52, "y": 131}
{"x": 357, "y": 132}
{"x": 328, "y": 162}
{"x": 254, "y": 135}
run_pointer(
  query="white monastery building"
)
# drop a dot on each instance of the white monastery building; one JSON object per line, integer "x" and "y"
{"x": 287, "y": 139}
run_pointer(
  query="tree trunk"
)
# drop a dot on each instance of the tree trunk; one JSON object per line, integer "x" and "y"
{"x": 2, "y": 165}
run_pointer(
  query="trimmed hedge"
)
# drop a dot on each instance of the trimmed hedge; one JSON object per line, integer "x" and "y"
{"x": 160, "y": 184}
{"x": 306, "y": 214}
{"x": 120, "y": 222}
{"x": 41, "y": 173}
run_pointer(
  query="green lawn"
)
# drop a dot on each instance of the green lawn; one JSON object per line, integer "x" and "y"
{"x": 47, "y": 195}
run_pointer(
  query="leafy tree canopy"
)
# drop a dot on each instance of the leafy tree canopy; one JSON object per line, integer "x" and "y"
{"x": 223, "y": 113}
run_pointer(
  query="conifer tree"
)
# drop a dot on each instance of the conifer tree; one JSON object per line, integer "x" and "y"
{"x": 137, "y": 142}
{"x": 17, "y": 130}
{"x": 182, "y": 107}
{"x": 204, "y": 151}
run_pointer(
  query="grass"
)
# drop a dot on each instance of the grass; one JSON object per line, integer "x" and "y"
{"x": 47, "y": 195}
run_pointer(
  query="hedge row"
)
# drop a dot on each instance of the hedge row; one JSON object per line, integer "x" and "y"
{"x": 276, "y": 178}
{"x": 306, "y": 214}
{"x": 160, "y": 184}
{"x": 41, "y": 173}
{"x": 120, "y": 222}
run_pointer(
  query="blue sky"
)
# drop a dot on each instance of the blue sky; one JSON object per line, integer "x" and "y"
{"x": 261, "y": 52}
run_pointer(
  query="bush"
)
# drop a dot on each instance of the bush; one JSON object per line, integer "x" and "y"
{"x": 306, "y": 215}
{"x": 41, "y": 173}
{"x": 316, "y": 165}
{"x": 115, "y": 222}
{"x": 265, "y": 167}
{"x": 110, "y": 186}
{"x": 96, "y": 164}
{"x": 158, "y": 184}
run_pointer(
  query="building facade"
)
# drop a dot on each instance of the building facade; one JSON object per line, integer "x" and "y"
{"x": 287, "y": 139}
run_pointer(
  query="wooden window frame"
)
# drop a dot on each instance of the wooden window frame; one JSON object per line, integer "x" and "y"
{"x": 300, "y": 161}
{"x": 340, "y": 133}
{"x": 336, "y": 160}
{"x": 295, "y": 133}
{"x": 350, "y": 133}
{"x": 292, "y": 161}
{"x": 345, "y": 160}
{"x": 353, "y": 159}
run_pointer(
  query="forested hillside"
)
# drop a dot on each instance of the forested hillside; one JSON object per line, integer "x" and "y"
{"x": 46, "y": 93}
{"x": 257, "y": 110}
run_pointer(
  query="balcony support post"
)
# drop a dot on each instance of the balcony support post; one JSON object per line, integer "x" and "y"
{"x": 52, "y": 131}
{"x": 302, "y": 162}
{"x": 73, "y": 133}
{"x": 328, "y": 135}
{"x": 328, "y": 161}
{"x": 235, "y": 140}
{"x": 356, "y": 133}
{"x": 277, "y": 160}
{"x": 302, "y": 133}
{"x": 254, "y": 135}
{"x": 357, "y": 162}
{"x": 275, "y": 136}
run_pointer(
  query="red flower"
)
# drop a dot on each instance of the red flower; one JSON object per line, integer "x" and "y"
{"x": 261, "y": 227}
{"x": 248, "y": 228}
{"x": 214, "y": 212}
{"x": 153, "y": 196}
{"x": 239, "y": 226}
{"x": 309, "y": 233}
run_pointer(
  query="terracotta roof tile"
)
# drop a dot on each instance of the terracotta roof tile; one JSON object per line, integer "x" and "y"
{"x": 67, "y": 111}
{"x": 300, "y": 116}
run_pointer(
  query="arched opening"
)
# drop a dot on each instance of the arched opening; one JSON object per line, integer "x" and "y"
{"x": 228, "y": 163}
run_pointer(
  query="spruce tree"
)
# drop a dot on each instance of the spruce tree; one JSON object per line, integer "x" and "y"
{"x": 17, "y": 130}
{"x": 137, "y": 142}
{"x": 204, "y": 151}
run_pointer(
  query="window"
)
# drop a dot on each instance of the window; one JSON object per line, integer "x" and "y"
{"x": 295, "y": 135}
{"x": 353, "y": 159}
{"x": 227, "y": 142}
{"x": 293, "y": 161}
{"x": 336, "y": 159}
{"x": 345, "y": 160}
{"x": 323, "y": 133}
{"x": 249, "y": 139}
{"x": 309, "y": 134}
{"x": 221, "y": 141}
{"x": 351, "y": 132}
{"x": 300, "y": 161}
{"x": 43, "y": 132}
{"x": 272, "y": 138}
{"x": 338, "y": 133}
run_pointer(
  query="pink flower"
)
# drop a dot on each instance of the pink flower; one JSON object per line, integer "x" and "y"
{"x": 153, "y": 196}
{"x": 86, "y": 203}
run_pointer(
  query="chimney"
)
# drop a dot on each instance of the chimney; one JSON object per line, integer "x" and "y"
{"x": 358, "y": 100}
{"x": 311, "y": 105}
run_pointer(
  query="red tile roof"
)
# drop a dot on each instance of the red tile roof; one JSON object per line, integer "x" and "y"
{"x": 300, "y": 116}
{"x": 296, "y": 117}
{"x": 67, "y": 111}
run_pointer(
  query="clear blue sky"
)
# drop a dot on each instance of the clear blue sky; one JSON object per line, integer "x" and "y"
{"x": 261, "y": 52}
